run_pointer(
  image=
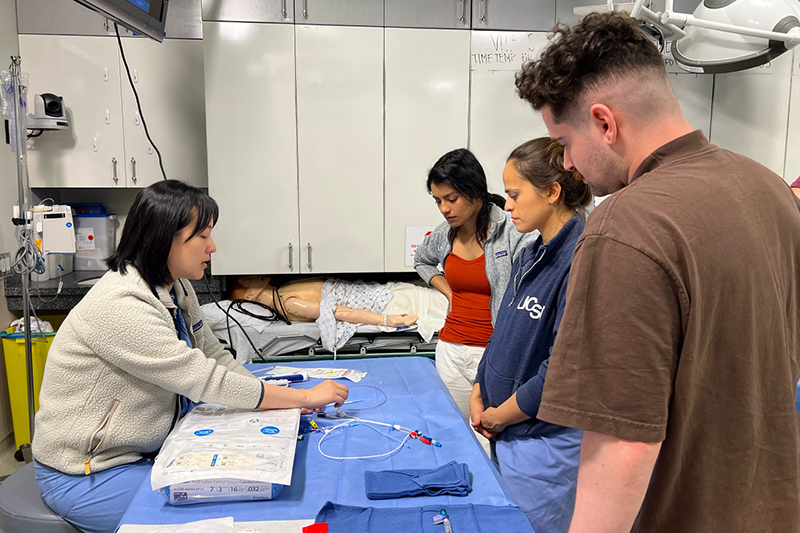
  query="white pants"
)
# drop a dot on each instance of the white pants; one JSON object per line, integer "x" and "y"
{"x": 457, "y": 365}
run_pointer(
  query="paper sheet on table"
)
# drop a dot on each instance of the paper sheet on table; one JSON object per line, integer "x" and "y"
{"x": 214, "y": 525}
{"x": 272, "y": 526}
{"x": 319, "y": 373}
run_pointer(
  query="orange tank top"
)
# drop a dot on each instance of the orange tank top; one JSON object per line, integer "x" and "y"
{"x": 470, "y": 319}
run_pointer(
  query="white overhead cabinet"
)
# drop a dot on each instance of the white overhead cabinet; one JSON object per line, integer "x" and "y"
{"x": 456, "y": 14}
{"x": 105, "y": 145}
{"x": 169, "y": 80}
{"x": 345, "y": 12}
{"x": 248, "y": 11}
{"x": 85, "y": 72}
{"x": 252, "y": 139}
{"x": 340, "y": 148}
{"x": 427, "y": 112}
{"x": 523, "y": 15}
{"x": 60, "y": 17}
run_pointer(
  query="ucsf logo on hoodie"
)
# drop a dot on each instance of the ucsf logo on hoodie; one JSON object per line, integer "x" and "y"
{"x": 532, "y": 306}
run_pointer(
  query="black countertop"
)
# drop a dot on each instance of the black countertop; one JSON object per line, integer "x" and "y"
{"x": 44, "y": 298}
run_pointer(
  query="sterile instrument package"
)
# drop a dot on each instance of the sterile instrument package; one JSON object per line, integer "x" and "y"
{"x": 215, "y": 454}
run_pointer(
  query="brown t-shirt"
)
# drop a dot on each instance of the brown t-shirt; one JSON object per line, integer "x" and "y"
{"x": 682, "y": 325}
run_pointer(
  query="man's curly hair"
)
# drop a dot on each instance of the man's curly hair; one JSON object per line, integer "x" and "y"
{"x": 601, "y": 46}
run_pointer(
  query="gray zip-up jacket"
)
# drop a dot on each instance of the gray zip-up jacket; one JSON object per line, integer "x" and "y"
{"x": 502, "y": 245}
{"x": 115, "y": 370}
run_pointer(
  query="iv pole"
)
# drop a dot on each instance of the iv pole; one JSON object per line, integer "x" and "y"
{"x": 23, "y": 188}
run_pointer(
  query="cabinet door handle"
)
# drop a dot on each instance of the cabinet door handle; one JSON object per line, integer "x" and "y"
{"x": 483, "y": 10}
{"x": 133, "y": 169}
{"x": 114, "y": 168}
{"x": 283, "y": 9}
{"x": 463, "y": 17}
{"x": 309, "y": 257}
{"x": 305, "y": 9}
{"x": 291, "y": 253}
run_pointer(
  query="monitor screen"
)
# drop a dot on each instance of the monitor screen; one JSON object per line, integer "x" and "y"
{"x": 147, "y": 17}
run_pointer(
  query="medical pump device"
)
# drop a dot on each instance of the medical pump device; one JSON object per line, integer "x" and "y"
{"x": 53, "y": 229}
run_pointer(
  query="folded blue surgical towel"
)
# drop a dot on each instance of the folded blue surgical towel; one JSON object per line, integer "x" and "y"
{"x": 452, "y": 478}
{"x": 463, "y": 518}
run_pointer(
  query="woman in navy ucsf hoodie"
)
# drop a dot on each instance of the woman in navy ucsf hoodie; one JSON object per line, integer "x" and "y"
{"x": 537, "y": 460}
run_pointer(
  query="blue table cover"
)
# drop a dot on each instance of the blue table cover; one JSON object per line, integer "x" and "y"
{"x": 416, "y": 399}
{"x": 472, "y": 518}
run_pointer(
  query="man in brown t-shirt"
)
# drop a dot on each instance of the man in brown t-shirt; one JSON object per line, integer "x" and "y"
{"x": 678, "y": 350}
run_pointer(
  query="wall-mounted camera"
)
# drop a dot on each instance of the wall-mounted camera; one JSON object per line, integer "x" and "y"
{"x": 48, "y": 113}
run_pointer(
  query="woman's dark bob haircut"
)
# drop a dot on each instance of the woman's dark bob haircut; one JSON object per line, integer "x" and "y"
{"x": 158, "y": 214}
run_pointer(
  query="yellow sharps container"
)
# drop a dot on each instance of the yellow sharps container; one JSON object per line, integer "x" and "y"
{"x": 14, "y": 351}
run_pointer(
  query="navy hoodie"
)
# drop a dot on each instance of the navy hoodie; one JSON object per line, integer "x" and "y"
{"x": 518, "y": 352}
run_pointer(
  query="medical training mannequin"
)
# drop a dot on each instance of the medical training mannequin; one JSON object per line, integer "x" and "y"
{"x": 132, "y": 355}
{"x": 538, "y": 461}
{"x": 300, "y": 302}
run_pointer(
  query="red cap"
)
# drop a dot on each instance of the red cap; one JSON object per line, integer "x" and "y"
{"x": 321, "y": 527}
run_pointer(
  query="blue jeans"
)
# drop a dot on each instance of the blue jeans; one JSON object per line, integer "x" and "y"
{"x": 541, "y": 473}
{"x": 93, "y": 503}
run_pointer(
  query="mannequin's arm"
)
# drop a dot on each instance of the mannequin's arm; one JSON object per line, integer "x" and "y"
{"x": 361, "y": 316}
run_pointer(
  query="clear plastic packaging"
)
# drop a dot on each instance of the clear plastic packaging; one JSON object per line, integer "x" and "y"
{"x": 8, "y": 109}
{"x": 95, "y": 241}
{"x": 216, "y": 454}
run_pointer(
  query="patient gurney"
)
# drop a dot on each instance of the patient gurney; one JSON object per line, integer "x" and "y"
{"x": 279, "y": 341}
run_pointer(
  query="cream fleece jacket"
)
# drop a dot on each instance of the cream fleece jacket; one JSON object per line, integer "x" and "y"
{"x": 115, "y": 370}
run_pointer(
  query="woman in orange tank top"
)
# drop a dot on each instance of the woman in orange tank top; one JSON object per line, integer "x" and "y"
{"x": 476, "y": 245}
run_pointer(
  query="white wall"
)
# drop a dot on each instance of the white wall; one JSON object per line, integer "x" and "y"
{"x": 750, "y": 112}
{"x": 792, "y": 169}
{"x": 8, "y": 195}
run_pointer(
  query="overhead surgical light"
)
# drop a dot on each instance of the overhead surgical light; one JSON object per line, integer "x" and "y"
{"x": 721, "y": 35}
{"x": 732, "y": 35}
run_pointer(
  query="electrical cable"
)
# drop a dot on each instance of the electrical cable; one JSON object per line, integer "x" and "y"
{"x": 38, "y": 320}
{"x": 60, "y": 285}
{"x": 277, "y": 297}
{"x": 138, "y": 103}
{"x": 29, "y": 257}
{"x": 355, "y": 421}
{"x": 372, "y": 406}
{"x": 216, "y": 302}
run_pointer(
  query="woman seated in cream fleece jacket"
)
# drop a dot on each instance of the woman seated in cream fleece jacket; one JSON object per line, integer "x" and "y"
{"x": 128, "y": 357}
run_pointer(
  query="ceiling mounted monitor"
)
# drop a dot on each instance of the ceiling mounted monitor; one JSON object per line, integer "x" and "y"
{"x": 147, "y": 17}
{"x": 732, "y": 35}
